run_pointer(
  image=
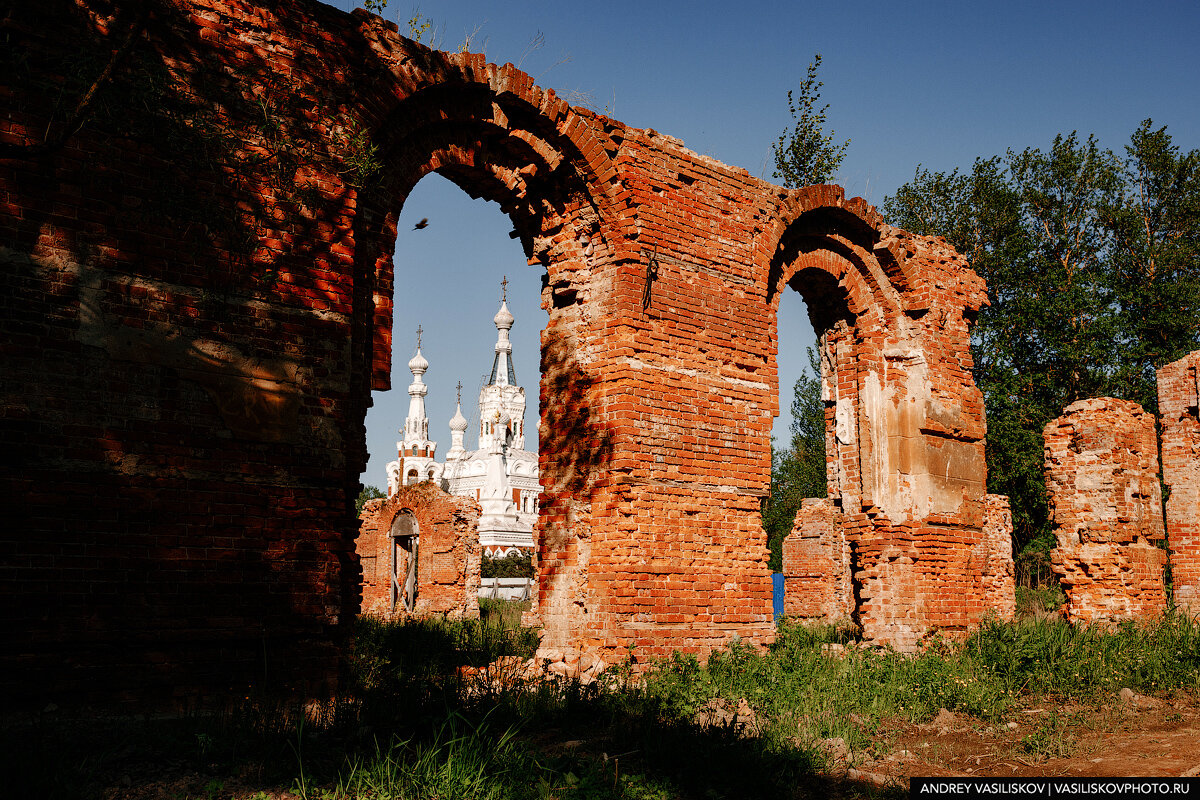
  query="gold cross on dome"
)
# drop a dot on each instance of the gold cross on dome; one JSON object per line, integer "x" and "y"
{"x": 459, "y": 388}
{"x": 418, "y": 337}
{"x": 504, "y": 288}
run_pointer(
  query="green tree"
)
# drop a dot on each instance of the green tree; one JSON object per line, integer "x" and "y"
{"x": 1155, "y": 252}
{"x": 1074, "y": 244}
{"x": 367, "y": 493}
{"x": 798, "y": 470}
{"x": 806, "y": 154}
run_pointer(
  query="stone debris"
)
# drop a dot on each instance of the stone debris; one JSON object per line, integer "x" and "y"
{"x": 721, "y": 713}
{"x": 1139, "y": 702}
{"x": 946, "y": 722}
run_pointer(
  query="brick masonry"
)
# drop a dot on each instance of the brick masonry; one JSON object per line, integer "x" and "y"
{"x": 1179, "y": 409}
{"x": 448, "y": 553}
{"x": 1102, "y": 478}
{"x": 816, "y": 565}
{"x": 999, "y": 574}
{"x": 198, "y": 306}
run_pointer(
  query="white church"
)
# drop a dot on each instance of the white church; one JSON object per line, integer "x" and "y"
{"x": 500, "y": 473}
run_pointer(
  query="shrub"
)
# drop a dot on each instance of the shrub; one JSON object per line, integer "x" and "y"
{"x": 516, "y": 565}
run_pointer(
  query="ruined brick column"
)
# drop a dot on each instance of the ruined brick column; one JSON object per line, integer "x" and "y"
{"x": 1102, "y": 477}
{"x": 999, "y": 587}
{"x": 1179, "y": 407}
{"x": 816, "y": 565}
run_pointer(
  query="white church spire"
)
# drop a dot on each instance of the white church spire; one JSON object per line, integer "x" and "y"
{"x": 458, "y": 429}
{"x": 416, "y": 427}
{"x": 503, "y": 373}
{"x": 502, "y": 401}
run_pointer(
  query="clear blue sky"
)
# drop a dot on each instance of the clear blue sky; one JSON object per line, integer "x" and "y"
{"x": 934, "y": 84}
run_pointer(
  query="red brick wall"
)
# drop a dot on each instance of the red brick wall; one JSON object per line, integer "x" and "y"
{"x": 199, "y": 304}
{"x": 1102, "y": 478}
{"x": 999, "y": 578}
{"x": 448, "y": 553}
{"x": 1178, "y": 390}
{"x": 816, "y": 565}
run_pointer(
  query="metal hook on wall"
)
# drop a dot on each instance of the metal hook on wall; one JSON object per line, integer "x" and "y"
{"x": 651, "y": 276}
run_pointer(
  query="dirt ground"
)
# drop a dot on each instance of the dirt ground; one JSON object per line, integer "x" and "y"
{"x": 1126, "y": 736}
{"x": 1130, "y": 736}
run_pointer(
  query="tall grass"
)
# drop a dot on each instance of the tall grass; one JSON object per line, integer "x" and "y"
{"x": 1045, "y": 656}
{"x": 413, "y": 725}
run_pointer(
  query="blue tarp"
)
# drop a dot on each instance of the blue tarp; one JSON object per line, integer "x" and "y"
{"x": 777, "y": 594}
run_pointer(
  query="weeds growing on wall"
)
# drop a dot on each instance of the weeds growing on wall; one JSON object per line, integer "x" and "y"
{"x": 749, "y": 723}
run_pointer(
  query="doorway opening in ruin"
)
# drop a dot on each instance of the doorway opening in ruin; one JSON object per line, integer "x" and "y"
{"x": 465, "y": 284}
{"x": 814, "y": 427}
{"x": 796, "y": 471}
{"x": 406, "y": 539}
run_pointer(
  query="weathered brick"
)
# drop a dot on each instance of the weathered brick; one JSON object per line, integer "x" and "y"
{"x": 1179, "y": 407}
{"x": 242, "y": 366}
{"x": 1102, "y": 479}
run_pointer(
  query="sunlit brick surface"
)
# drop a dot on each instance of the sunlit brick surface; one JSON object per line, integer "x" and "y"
{"x": 1102, "y": 478}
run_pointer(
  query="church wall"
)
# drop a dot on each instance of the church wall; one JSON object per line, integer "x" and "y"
{"x": 198, "y": 306}
{"x": 1179, "y": 406}
{"x": 1102, "y": 479}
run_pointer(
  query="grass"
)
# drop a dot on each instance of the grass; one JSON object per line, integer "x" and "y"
{"x": 412, "y": 726}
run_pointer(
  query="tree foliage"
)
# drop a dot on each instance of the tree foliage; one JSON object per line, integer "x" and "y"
{"x": 1093, "y": 282}
{"x": 806, "y": 154}
{"x": 367, "y": 493}
{"x": 514, "y": 565}
{"x": 798, "y": 470}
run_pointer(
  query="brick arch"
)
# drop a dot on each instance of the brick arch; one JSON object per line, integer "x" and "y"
{"x": 225, "y": 323}
{"x": 904, "y": 427}
{"x": 435, "y": 96}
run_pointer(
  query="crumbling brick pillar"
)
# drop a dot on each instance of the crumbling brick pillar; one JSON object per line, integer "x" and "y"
{"x": 816, "y": 565}
{"x": 999, "y": 587}
{"x": 1102, "y": 478}
{"x": 1179, "y": 410}
{"x": 904, "y": 419}
{"x": 442, "y": 530}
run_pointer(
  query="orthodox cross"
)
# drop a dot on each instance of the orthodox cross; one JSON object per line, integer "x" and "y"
{"x": 459, "y": 388}
{"x": 504, "y": 288}
{"x": 418, "y": 337}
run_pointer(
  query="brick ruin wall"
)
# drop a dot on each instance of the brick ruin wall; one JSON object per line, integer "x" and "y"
{"x": 199, "y": 306}
{"x": 1179, "y": 413}
{"x": 816, "y": 565}
{"x": 448, "y": 553}
{"x": 1102, "y": 478}
{"x": 999, "y": 573}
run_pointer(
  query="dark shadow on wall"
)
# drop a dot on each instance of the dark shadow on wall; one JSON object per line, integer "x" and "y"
{"x": 181, "y": 492}
{"x": 574, "y": 450}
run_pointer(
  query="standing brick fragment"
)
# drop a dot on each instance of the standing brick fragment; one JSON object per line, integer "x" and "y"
{"x": 442, "y": 529}
{"x": 1179, "y": 407}
{"x": 1102, "y": 476}
{"x": 816, "y": 565}
{"x": 999, "y": 588}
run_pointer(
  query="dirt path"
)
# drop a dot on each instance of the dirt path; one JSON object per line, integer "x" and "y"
{"x": 1133, "y": 736}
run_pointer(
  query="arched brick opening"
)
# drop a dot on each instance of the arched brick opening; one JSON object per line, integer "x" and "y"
{"x": 200, "y": 288}
{"x": 498, "y": 137}
{"x": 904, "y": 422}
